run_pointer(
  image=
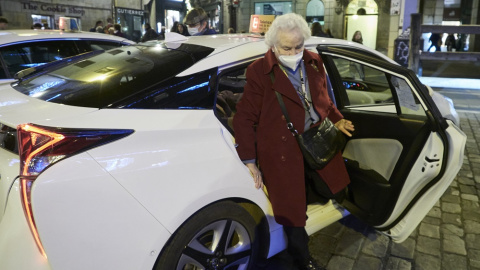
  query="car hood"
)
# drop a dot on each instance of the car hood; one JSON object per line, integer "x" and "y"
{"x": 17, "y": 108}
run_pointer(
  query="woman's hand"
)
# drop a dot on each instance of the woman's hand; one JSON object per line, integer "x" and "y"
{"x": 345, "y": 126}
{"x": 256, "y": 174}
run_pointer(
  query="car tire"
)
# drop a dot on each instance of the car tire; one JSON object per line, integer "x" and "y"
{"x": 220, "y": 236}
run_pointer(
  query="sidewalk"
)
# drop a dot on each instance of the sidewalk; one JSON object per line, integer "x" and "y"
{"x": 454, "y": 83}
{"x": 448, "y": 238}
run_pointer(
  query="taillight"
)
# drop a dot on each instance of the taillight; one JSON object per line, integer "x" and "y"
{"x": 40, "y": 147}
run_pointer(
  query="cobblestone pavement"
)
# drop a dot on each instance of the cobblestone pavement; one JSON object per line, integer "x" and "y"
{"x": 448, "y": 238}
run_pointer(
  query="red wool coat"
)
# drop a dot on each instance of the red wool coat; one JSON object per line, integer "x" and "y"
{"x": 261, "y": 133}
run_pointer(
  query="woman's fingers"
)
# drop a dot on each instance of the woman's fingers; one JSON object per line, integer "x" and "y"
{"x": 256, "y": 174}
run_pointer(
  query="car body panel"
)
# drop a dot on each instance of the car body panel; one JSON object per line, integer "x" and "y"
{"x": 18, "y": 249}
{"x": 116, "y": 205}
{"x": 81, "y": 201}
{"x": 409, "y": 222}
{"x": 18, "y": 36}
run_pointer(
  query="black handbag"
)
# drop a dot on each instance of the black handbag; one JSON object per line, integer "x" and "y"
{"x": 320, "y": 143}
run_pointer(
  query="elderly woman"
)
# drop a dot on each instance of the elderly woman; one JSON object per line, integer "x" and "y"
{"x": 261, "y": 129}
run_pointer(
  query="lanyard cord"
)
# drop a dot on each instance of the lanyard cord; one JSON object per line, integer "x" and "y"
{"x": 303, "y": 93}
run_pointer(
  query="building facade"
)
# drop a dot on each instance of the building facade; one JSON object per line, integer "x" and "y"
{"x": 380, "y": 21}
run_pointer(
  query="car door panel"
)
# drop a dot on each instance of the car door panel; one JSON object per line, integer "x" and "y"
{"x": 373, "y": 190}
{"x": 398, "y": 157}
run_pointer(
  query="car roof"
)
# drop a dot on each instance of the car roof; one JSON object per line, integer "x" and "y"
{"x": 236, "y": 48}
{"x": 14, "y": 36}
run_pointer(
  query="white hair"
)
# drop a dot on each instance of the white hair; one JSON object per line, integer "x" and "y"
{"x": 288, "y": 22}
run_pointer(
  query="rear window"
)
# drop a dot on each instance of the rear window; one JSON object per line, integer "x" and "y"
{"x": 120, "y": 77}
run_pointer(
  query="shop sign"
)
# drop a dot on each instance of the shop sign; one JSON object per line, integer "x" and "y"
{"x": 451, "y": 14}
{"x": 130, "y": 11}
{"x": 53, "y": 8}
{"x": 260, "y": 23}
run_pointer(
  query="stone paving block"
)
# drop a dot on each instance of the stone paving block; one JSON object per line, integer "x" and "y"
{"x": 376, "y": 246}
{"x": 350, "y": 244}
{"x": 452, "y": 229}
{"x": 467, "y": 189}
{"x": 429, "y": 230}
{"x": 469, "y": 205}
{"x": 322, "y": 258}
{"x": 435, "y": 212}
{"x": 470, "y": 197}
{"x": 321, "y": 243}
{"x": 472, "y": 241}
{"x": 454, "y": 244}
{"x": 367, "y": 262}
{"x": 465, "y": 173}
{"x": 477, "y": 178}
{"x": 394, "y": 263}
{"x": 454, "y": 184}
{"x": 335, "y": 230}
{"x": 432, "y": 220}
{"x": 450, "y": 198}
{"x": 472, "y": 227}
{"x": 340, "y": 263}
{"x": 404, "y": 250}
{"x": 471, "y": 215}
{"x": 450, "y": 218}
{"x": 468, "y": 180}
{"x": 454, "y": 262}
{"x": 455, "y": 192}
{"x": 427, "y": 262}
{"x": 474, "y": 258}
{"x": 451, "y": 208}
{"x": 428, "y": 245}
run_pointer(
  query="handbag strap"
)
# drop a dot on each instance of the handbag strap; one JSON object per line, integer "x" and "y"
{"x": 282, "y": 107}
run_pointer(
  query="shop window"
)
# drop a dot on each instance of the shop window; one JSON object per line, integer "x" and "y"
{"x": 273, "y": 8}
{"x": 315, "y": 11}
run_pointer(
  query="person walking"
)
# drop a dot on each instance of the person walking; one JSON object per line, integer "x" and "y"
{"x": 436, "y": 41}
{"x": 267, "y": 147}
{"x": 197, "y": 23}
{"x": 117, "y": 30}
{"x": 3, "y": 23}
{"x": 97, "y": 24}
{"x": 317, "y": 31}
{"x": 150, "y": 34}
{"x": 357, "y": 37}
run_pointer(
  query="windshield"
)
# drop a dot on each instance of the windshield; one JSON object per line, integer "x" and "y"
{"x": 115, "y": 75}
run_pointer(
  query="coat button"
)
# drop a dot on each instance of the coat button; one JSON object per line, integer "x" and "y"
{"x": 283, "y": 117}
{"x": 284, "y": 138}
{"x": 283, "y": 158}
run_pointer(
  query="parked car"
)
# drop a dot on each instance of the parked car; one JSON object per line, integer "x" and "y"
{"x": 22, "y": 49}
{"x": 125, "y": 159}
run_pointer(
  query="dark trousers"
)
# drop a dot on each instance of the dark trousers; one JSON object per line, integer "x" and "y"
{"x": 297, "y": 244}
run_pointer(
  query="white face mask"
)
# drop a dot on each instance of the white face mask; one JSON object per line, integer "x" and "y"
{"x": 193, "y": 30}
{"x": 291, "y": 61}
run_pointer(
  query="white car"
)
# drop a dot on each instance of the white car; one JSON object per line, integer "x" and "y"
{"x": 22, "y": 49}
{"x": 126, "y": 159}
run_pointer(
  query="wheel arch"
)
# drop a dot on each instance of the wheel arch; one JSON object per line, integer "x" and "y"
{"x": 262, "y": 230}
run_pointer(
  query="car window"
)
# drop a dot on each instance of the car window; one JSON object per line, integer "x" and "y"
{"x": 123, "y": 77}
{"x": 3, "y": 73}
{"x": 229, "y": 92}
{"x": 190, "y": 92}
{"x": 373, "y": 89}
{"x": 21, "y": 56}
